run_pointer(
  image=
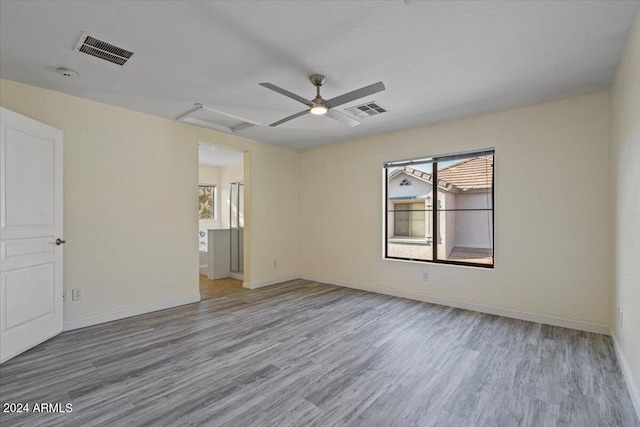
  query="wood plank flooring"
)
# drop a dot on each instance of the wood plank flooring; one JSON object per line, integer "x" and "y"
{"x": 214, "y": 287}
{"x": 309, "y": 354}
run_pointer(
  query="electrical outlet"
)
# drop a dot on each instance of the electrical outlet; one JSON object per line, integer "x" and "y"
{"x": 76, "y": 295}
{"x": 275, "y": 263}
{"x": 425, "y": 276}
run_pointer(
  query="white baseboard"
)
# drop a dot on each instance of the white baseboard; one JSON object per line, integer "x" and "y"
{"x": 237, "y": 276}
{"x": 627, "y": 374}
{"x": 269, "y": 282}
{"x": 134, "y": 311}
{"x": 505, "y": 312}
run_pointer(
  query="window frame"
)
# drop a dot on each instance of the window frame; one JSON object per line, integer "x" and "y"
{"x": 436, "y": 210}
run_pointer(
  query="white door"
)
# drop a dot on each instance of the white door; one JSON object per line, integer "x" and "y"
{"x": 30, "y": 226}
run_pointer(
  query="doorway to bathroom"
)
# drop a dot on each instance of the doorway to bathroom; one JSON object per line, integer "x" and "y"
{"x": 221, "y": 220}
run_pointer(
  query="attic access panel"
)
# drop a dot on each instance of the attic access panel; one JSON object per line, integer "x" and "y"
{"x": 213, "y": 119}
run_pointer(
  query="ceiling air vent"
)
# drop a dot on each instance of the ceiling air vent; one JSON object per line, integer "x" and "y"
{"x": 366, "y": 110}
{"x": 103, "y": 50}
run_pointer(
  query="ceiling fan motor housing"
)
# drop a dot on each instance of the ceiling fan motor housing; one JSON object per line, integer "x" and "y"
{"x": 317, "y": 79}
{"x": 318, "y": 103}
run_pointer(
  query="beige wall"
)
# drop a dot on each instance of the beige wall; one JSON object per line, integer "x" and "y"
{"x": 625, "y": 201}
{"x": 209, "y": 174}
{"x": 130, "y": 183}
{"x": 274, "y": 221}
{"x": 552, "y": 231}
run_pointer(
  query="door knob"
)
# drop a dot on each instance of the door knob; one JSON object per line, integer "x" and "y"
{"x": 60, "y": 242}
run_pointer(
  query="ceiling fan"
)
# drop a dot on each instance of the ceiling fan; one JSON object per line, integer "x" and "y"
{"x": 320, "y": 106}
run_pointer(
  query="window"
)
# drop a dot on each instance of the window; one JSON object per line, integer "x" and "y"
{"x": 207, "y": 202}
{"x": 409, "y": 219}
{"x": 454, "y": 225}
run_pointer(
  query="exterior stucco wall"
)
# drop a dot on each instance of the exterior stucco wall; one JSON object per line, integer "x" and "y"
{"x": 417, "y": 187}
{"x": 474, "y": 228}
{"x": 447, "y": 223}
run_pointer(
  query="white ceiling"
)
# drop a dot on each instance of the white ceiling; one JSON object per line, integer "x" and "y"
{"x": 438, "y": 60}
{"x": 211, "y": 155}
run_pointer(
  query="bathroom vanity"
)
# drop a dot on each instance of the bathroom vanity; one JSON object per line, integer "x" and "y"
{"x": 218, "y": 258}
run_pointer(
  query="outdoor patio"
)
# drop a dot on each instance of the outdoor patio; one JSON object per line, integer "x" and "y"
{"x": 418, "y": 248}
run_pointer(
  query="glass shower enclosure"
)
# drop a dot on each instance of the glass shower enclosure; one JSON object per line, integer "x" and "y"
{"x": 236, "y": 227}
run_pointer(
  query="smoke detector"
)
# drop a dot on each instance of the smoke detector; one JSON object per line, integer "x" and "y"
{"x": 67, "y": 72}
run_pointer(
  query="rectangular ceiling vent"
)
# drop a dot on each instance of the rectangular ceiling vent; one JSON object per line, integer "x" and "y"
{"x": 103, "y": 50}
{"x": 369, "y": 109}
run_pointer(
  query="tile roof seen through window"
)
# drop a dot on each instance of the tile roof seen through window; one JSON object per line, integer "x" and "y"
{"x": 469, "y": 174}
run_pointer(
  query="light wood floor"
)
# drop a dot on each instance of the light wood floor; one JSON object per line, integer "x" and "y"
{"x": 213, "y": 287}
{"x": 309, "y": 354}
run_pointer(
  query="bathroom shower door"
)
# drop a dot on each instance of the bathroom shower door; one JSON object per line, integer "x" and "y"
{"x": 236, "y": 225}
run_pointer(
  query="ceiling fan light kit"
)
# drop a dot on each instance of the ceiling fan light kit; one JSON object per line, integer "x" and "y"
{"x": 320, "y": 106}
{"x": 318, "y": 110}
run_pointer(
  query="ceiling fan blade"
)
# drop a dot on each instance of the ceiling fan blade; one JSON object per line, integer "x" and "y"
{"x": 336, "y": 115}
{"x": 286, "y": 93}
{"x": 356, "y": 94}
{"x": 286, "y": 119}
